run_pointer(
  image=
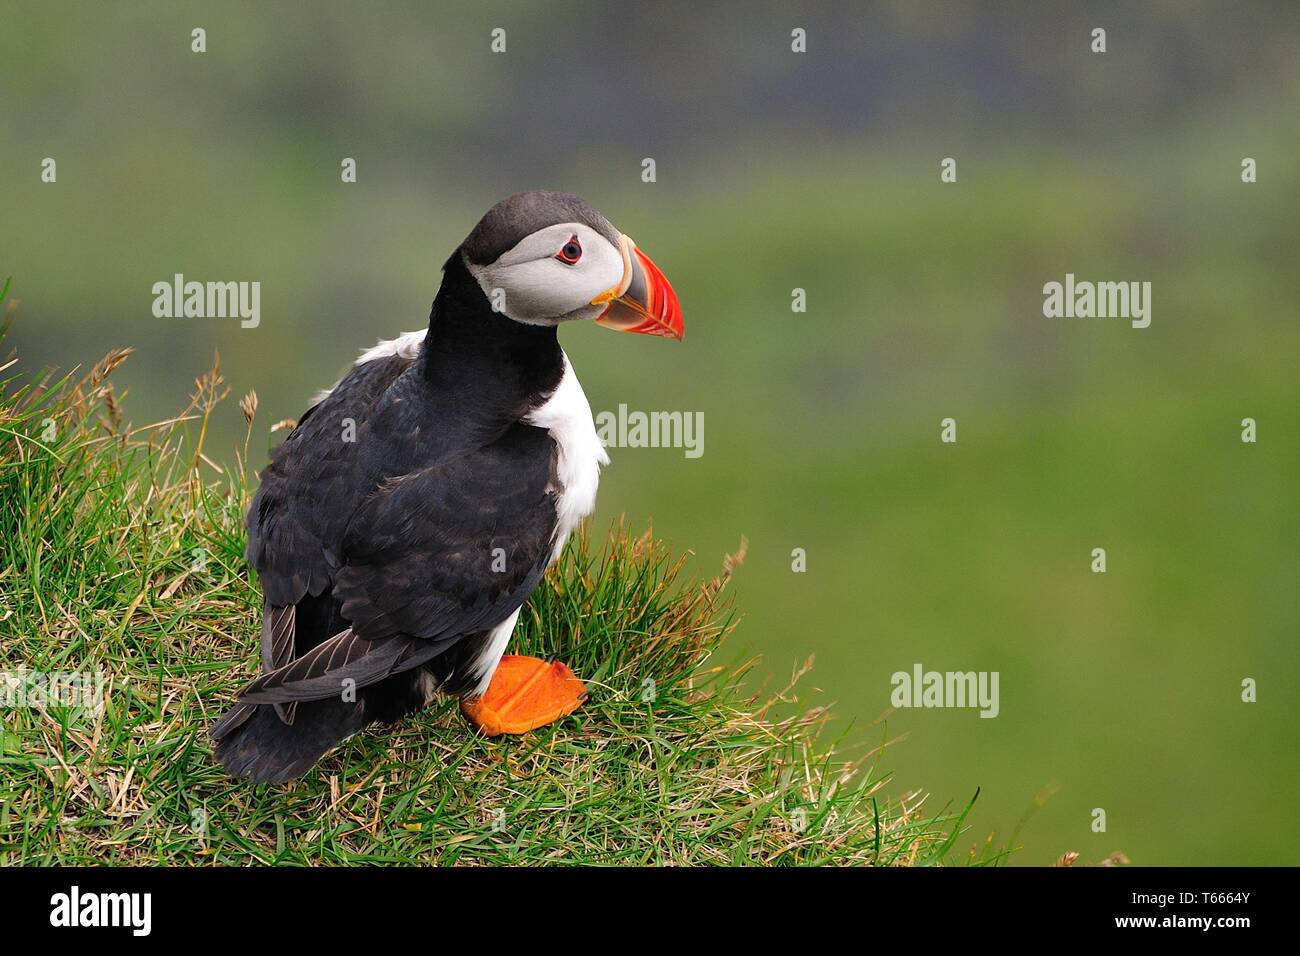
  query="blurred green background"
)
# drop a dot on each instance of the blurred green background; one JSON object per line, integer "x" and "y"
{"x": 778, "y": 170}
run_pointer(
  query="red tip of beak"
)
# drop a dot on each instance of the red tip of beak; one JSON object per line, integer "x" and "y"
{"x": 664, "y": 312}
{"x": 649, "y": 305}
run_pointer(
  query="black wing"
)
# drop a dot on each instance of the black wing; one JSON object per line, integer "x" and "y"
{"x": 452, "y": 548}
{"x": 314, "y": 482}
{"x": 289, "y": 525}
{"x": 431, "y": 556}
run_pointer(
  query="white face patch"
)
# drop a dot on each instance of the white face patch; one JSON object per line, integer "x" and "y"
{"x": 529, "y": 284}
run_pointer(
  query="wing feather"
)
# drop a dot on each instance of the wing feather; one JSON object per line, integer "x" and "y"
{"x": 279, "y": 625}
{"x": 345, "y": 660}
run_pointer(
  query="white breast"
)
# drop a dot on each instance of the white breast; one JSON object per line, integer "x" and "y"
{"x": 567, "y": 416}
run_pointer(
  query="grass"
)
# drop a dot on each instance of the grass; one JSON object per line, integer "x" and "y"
{"x": 122, "y": 556}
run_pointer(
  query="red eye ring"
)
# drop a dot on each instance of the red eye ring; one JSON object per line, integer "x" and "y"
{"x": 570, "y": 252}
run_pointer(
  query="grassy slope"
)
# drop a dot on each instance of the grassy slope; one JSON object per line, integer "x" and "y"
{"x": 122, "y": 553}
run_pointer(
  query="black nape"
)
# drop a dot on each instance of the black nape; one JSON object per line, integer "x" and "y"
{"x": 495, "y": 360}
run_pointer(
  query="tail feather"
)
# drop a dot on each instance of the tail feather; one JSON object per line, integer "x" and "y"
{"x": 252, "y": 741}
{"x": 232, "y": 718}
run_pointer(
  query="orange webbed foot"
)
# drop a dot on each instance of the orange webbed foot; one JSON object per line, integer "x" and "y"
{"x": 525, "y": 693}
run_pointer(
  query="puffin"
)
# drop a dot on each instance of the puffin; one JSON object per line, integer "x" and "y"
{"x": 405, "y": 520}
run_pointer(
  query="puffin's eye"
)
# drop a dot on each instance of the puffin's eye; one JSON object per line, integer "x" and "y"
{"x": 571, "y": 252}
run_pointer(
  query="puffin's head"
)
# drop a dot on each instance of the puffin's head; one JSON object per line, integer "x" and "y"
{"x": 543, "y": 258}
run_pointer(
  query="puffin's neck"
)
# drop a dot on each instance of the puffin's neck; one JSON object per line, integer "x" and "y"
{"x": 506, "y": 366}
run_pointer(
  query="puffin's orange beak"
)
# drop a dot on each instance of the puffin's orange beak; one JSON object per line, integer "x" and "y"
{"x": 644, "y": 301}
